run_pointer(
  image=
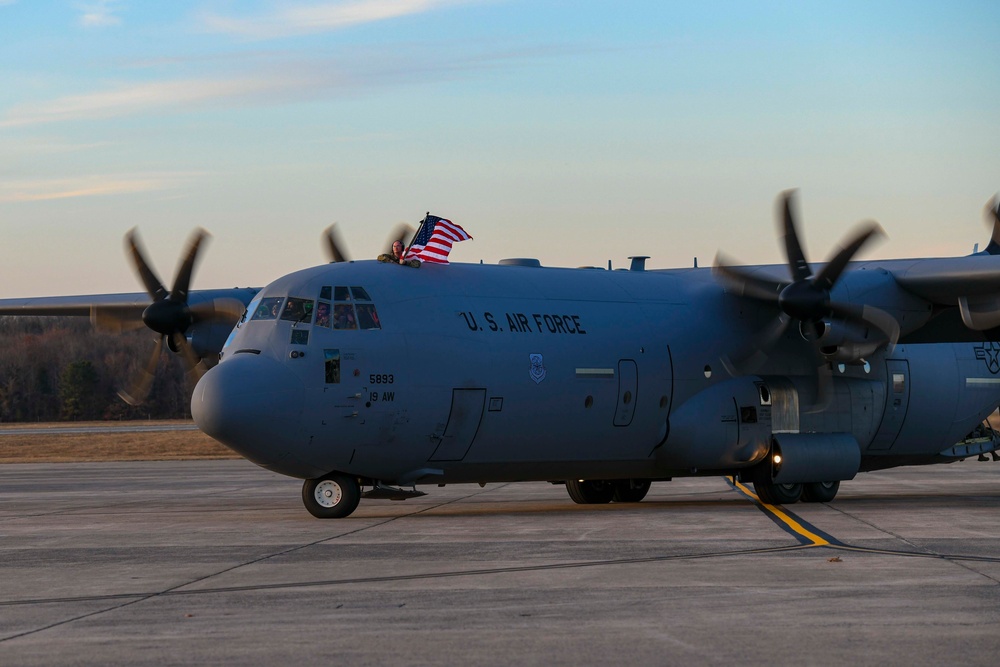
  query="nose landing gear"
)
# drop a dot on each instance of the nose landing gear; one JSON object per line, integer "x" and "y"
{"x": 332, "y": 496}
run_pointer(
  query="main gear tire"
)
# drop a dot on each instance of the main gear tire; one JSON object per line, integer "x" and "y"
{"x": 820, "y": 492}
{"x": 778, "y": 494}
{"x": 590, "y": 491}
{"x": 630, "y": 490}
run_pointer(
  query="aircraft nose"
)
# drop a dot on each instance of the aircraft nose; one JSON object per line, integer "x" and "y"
{"x": 253, "y": 405}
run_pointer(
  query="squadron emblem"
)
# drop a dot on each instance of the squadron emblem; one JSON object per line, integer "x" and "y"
{"x": 990, "y": 354}
{"x": 536, "y": 370}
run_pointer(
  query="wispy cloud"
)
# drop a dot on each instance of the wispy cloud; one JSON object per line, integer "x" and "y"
{"x": 132, "y": 99}
{"x": 91, "y": 186}
{"x": 275, "y": 81}
{"x": 302, "y": 19}
{"x": 99, "y": 13}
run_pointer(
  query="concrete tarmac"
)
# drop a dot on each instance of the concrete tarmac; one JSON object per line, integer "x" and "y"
{"x": 217, "y": 562}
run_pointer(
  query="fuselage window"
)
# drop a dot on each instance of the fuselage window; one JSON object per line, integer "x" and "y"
{"x": 300, "y": 337}
{"x": 323, "y": 314}
{"x": 268, "y": 309}
{"x": 332, "y": 368}
{"x": 298, "y": 310}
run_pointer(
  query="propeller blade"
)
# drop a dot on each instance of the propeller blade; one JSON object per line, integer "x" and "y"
{"x": 402, "y": 233}
{"x": 192, "y": 364}
{"x": 743, "y": 283}
{"x": 218, "y": 310}
{"x": 143, "y": 380}
{"x": 749, "y": 358}
{"x": 334, "y": 245}
{"x": 114, "y": 320}
{"x": 797, "y": 263}
{"x": 153, "y": 286}
{"x": 182, "y": 282}
{"x": 831, "y": 272}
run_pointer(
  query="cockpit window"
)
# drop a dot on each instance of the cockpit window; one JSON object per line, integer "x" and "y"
{"x": 298, "y": 310}
{"x": 268, "y": 309}
{"x": 367, "y": 317}
{"x": 360, "y": 294}
{"x": 343, "y": 316}
{"x": 323, "y": 314}
{"x": 351, "y": 308}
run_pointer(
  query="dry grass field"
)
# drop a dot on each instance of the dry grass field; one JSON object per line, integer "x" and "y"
{"x": 55, "y": 446}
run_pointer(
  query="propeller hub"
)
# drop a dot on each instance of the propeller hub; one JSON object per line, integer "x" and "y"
{"x": 167, "y": 317}
{"x": 804, "y": 301}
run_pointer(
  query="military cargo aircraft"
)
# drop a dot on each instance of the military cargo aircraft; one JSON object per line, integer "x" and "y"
{"x": 361, "y": 375}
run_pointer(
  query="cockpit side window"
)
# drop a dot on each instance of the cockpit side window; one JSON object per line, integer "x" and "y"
{"x": 367, "y": 317}
{"x": 268, "y": 309}
{"x": 323, "y": 314}
{"x": 360, "y": 294}
{"x": 341, "y": 294}
{"x": 298, "y": 310}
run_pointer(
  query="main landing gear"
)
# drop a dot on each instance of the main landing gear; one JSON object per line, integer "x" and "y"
{"x": 601, "y": 491}
{"x": 786, "y": 494}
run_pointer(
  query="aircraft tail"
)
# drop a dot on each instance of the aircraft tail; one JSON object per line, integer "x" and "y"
{"x": 993, "y": 215}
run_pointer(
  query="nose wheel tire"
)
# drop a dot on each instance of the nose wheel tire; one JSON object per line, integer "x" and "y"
{"x": 331, "y": 496}
{"x": 820, "y": 492}
{"x": 778, "y": 494}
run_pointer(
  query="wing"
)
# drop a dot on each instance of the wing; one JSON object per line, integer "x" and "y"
{"x": 107, "y": 311}
{"x": 964, "y": 290}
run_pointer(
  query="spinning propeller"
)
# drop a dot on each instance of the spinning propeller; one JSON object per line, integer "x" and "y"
{"x": 170, "y": 315}
{"x": 337, "y": 252}
{"x": 806, "y": 297}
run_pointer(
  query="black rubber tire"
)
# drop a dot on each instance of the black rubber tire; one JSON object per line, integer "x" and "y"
{"x": 630, "y": 490}
{"x": 590, "y": 491}
{"x": 332, "y": 496}
{"x": 820, "y": 492}
{"x": 778, "y": 494}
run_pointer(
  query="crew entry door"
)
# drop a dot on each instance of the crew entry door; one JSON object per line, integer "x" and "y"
{"x": 897, "y": 400}
{"x": 463, "y": 424}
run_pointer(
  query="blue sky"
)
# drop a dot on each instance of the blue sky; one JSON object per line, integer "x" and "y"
{"x": 575, "y": 132}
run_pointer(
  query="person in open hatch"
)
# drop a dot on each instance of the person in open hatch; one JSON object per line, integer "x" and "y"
{"x": 397, "y": 256}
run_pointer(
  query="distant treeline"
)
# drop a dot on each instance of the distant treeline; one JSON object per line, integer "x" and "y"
{"x": 61, "y": 368}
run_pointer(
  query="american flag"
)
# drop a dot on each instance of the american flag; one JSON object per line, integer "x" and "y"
{"x": 434, "y": 240}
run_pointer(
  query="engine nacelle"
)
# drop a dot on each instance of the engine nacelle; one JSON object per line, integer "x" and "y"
{"x": 840, "y": 341}
{"x": 207, "y": 339}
